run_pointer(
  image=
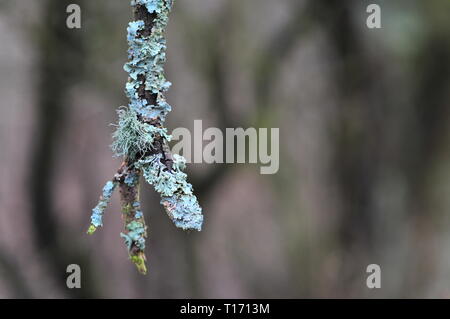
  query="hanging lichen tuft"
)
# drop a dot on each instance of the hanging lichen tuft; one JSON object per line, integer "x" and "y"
{"x": 141, "y": 139}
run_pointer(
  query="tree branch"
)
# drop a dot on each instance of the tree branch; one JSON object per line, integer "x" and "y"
{"x": 142, "y": 139}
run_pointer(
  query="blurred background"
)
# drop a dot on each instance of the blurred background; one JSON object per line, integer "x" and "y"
{"x": 364, "y": 150}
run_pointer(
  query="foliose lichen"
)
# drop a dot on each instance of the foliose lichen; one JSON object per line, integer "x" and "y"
{"x": 140, "y": 137}
{"x": 98, "y": 211}
{"x": 135, "y": 235}
{"x": 177, "y": 194}
{"x": 147, "y": 56}
{"x": 151, "y": 5}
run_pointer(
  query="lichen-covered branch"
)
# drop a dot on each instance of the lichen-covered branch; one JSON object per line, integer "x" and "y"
{"x": 141, "y": 138}
{"x": 135, "y": 230}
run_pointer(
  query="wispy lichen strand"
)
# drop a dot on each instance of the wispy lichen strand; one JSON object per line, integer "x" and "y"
{"x": 134, "y": 137}
{"x": 140, "y": 136}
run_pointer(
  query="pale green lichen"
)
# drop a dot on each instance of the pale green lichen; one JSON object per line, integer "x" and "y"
{"x": 166, "y": 182}
{"x": 184, "y": 210}
{"x": 98, "y": 211}
{"x": 177, "y": 198}
{"x": 147, "y": 56}
{"x": 151, "y": 5}
{"x": 135, "y": 235}
{"x": 133, "y": 137}
{"x": 140, "y": 137}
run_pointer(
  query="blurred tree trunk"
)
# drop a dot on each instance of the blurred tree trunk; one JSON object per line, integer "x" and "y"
{"x": 60, "y": 66}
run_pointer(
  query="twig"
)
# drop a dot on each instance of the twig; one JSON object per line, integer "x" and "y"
{"x": 142, "y": 139}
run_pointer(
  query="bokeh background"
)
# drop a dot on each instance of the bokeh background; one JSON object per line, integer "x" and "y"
{"x": 364, "y": 150}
